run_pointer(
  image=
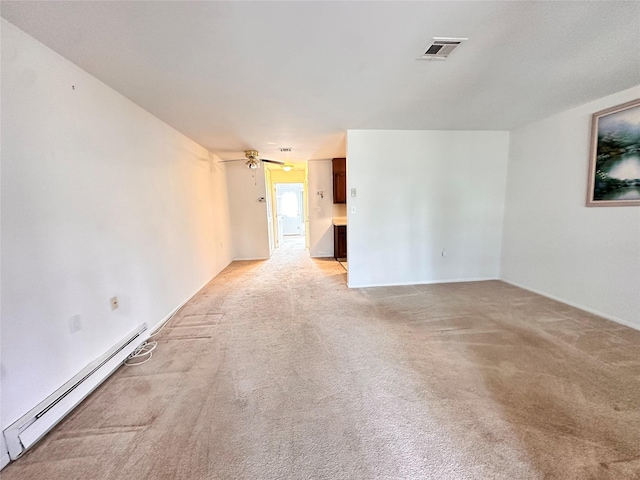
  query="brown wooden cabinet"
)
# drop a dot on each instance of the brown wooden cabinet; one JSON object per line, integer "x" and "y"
{"x": 340, "y": 241}
{"x": 339, "y": 180}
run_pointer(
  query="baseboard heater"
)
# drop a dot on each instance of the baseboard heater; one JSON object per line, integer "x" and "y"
{"x": 30, "y": 428}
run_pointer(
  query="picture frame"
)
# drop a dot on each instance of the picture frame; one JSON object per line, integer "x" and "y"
{"x": 614, "y": 161}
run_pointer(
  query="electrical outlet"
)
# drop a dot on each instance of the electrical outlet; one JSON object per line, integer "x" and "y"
{"x": 114, "y": 303}
{"x": 75, "y": 324}
{"x": 444, "y": 252}
{"x": 353, "y": 210}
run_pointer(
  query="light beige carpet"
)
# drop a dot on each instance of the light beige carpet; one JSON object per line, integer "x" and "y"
{"x": 277, "y": 371}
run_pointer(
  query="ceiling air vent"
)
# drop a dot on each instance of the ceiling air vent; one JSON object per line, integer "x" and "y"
{"x": 285, "y": 149}
{"x": 441, "y": 48}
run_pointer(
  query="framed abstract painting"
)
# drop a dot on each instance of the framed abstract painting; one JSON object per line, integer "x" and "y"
{"x": 614, "y": 164}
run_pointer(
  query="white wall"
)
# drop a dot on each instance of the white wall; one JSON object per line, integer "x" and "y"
{"x": 99, "y": 199}
{"x": 553, "y": 244}
{"x": 249, "y": 216}
{"x": 419, "y": 192}
{"x": 4, "y": 455}
{"x": 322, "y": 209}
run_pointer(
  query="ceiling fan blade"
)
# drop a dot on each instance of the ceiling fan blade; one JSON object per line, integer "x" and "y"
{"x": 234, "y": 160}
{"x": 277, "y": 162}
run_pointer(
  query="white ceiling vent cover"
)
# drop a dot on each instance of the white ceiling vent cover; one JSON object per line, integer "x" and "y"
{"x": 441, "y": 48}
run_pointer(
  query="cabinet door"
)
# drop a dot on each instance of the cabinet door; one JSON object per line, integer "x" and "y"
{"x": 342, "y": 238}
{"x": 339, "y": 180}
{"x": 340, "y": 242}
{"x": 339, "y": 188}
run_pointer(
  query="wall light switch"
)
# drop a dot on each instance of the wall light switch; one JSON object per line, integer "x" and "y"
{"x": 353, "y": 192}
{"x": 114, "y": 303}
{"x": 353, "y": 210}
{"x": 75, "y": 324}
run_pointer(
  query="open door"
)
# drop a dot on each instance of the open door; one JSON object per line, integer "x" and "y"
{"x": 290, "y": 209}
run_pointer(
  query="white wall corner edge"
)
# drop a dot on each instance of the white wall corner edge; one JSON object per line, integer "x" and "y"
{"x": 626, "y": 323}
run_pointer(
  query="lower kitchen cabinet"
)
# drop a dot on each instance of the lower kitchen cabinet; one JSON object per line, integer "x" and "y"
{"x": 340, "y": 241}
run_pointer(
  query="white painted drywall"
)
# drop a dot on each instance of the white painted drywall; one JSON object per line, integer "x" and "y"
{"x": 248, "y": 215}
{"x": 99, "y": 199}
{"x": 4, "y": 452}
{"x": 321, "y": 208}
{"x": 553, "y": 244}
{"x": 419, "y": 192}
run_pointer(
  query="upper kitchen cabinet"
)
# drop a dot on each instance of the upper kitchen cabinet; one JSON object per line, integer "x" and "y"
{"x": 339, "y": 180}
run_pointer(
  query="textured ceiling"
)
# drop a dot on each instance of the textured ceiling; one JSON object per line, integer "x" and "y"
{"x": 264, "y": 75}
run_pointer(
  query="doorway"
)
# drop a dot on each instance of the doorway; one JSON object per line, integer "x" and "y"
{"x": 290, "y": 210}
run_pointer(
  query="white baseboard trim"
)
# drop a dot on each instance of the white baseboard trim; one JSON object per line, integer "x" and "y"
{"x": 621, "y": 321}
{"x": 249, "y": 259}
{"x": 321, "y": 256}
{"x": 161, "y": 323}
{"x": 426, "y": 282}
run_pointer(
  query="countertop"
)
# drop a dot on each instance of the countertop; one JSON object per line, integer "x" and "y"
{"x": 340, "y": 221}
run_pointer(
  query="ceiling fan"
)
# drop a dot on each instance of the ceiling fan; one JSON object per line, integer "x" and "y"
{"x": 253, "y": 159}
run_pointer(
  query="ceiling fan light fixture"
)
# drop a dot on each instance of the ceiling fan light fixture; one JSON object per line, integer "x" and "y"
{"x": 287, "y": 168}
{"x": 253, "y": 160}
{"x": 252, "y": 163}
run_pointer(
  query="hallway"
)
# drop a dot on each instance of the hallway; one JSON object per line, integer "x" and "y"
{"x": 276, "y": 370}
